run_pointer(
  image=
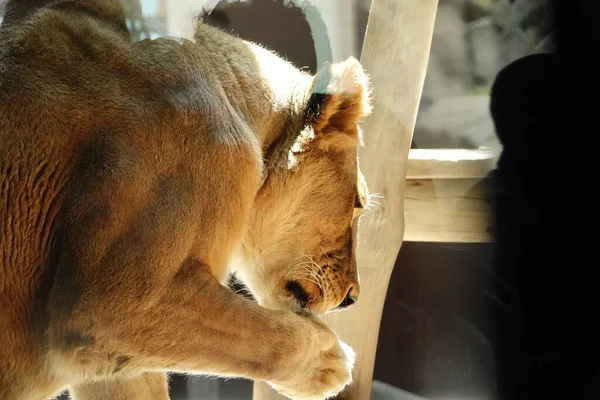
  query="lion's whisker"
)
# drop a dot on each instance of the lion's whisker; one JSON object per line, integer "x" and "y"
{"x": 300, "y": 264}
{"x": 319, "y": 269}
{"x": 316, "y": 277}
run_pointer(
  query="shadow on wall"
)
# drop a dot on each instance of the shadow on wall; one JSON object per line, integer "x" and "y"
{"x": 296, "y": 33}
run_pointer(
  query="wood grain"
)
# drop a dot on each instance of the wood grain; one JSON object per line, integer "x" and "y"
{"x": 445, "y": 195}
{"x": 449, "y": 163}
{"x": 446, "y": 210}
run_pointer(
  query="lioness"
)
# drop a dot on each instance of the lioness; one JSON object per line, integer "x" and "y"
{"x": 136, "y": 176}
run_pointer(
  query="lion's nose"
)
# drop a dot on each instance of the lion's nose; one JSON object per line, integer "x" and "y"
{"x": 350, "y": 298}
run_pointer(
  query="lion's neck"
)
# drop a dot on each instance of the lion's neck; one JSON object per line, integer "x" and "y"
{"x": 275, "y": 97}
{"x": 271, "y": 95}
{"x": 288, "y": 90}
{"x": 268, "y": 92}
{"x": 278, "y": 122}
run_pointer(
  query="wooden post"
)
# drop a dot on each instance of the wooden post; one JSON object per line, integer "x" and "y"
{"x": 395, "y": 54}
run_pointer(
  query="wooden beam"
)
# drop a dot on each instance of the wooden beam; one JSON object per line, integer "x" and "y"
{"x": 447, "y": 210}
{"x": 445, "y": 195}
{"x": 449, "y": 163}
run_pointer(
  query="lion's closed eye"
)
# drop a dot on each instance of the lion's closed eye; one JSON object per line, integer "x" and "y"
{"x": 358, "y": 203}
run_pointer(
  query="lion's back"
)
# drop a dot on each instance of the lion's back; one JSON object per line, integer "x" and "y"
{"x": 58, "y": 89}
{"x": 71, "y": 86}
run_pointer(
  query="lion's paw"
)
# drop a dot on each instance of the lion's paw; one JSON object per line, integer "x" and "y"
{"x": 324, "y": 377}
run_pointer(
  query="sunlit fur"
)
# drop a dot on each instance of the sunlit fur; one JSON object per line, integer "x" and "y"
{"x": 304, "y": 221}
{"x": 135, "y": 177}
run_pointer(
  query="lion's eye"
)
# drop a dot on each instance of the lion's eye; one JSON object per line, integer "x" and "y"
{"x": 358, "y": 203}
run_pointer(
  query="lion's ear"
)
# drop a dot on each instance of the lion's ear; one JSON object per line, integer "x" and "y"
{"x": 339, "y": 98}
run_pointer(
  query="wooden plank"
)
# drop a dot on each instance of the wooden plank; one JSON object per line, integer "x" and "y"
{"x": 395, "y": 54}
{"x": 446, "y": 210}
{"x": 449, "y": 163}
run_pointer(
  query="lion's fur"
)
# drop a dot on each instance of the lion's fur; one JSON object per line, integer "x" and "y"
{"x": 132, "y": 174}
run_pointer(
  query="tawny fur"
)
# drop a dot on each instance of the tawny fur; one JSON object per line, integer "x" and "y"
{"x": 135, "y": 176}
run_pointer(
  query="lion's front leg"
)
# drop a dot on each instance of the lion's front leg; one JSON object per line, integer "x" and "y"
{"x": 147, "y": 386}
{"x": 135, "y": 291}
{"x": 201, "y": 327}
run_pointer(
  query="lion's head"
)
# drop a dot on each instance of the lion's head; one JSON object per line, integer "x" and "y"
{"x": 300, "y": 250}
